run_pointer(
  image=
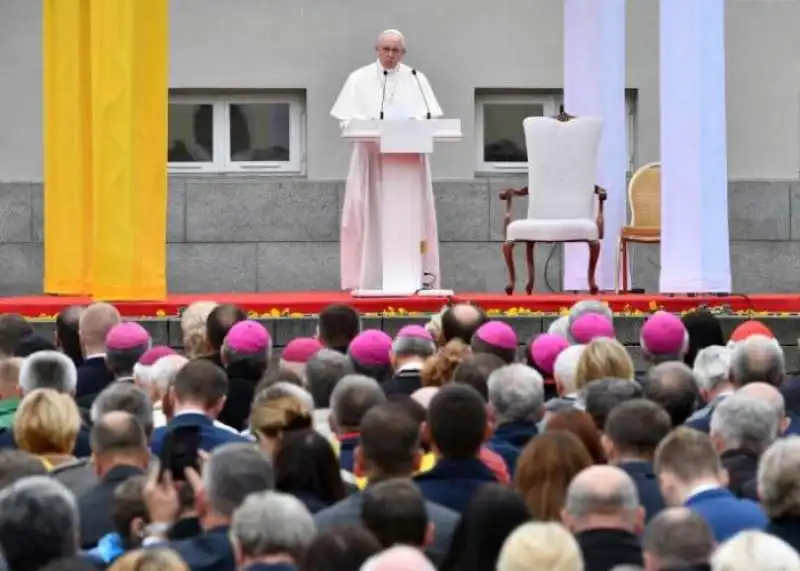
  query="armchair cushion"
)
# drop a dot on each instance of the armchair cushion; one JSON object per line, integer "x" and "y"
{"x": 552, "y": 230}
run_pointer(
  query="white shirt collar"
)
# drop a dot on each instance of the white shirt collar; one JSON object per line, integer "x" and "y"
{"x": 95, "y": 356}
{"x": 412, "y": 366}
{"x": 702, "y": 488}
{"x": 217, "y": 424}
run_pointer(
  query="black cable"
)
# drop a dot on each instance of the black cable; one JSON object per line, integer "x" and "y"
{"x": 547, "y": 265}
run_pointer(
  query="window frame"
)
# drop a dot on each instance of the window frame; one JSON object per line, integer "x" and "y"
{"x": 221, "y": 162}
{"x": 551, "y": 101}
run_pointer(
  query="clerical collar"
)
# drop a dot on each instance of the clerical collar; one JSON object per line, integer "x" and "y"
{"x": 381, "y": 69}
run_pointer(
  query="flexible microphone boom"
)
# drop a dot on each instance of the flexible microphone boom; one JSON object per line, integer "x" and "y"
{"x": 383, "y": 93}
{"x": 422, "y": 92}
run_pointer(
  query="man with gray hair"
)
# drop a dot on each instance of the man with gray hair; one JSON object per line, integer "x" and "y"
{"x": 352, "y": 397}
{"x": 779, "y": 489}
{"x": 516, "y": 396}
{"x": 582, "y": 308}
{"x": 601, "y": 396}
{"x": 757, "y": 359}
{"x": 712, "y": 372}
{"x": 602, "y": 510}
{"x": 323, "y": 372}
{"x": 49, "y": 370}
{"x": 81, "y": 475}
{"x": 742, "y": 427}
{"x": 672, "y": 385}
{"x": 564, "y": 369}
{"x": 162, "y": 375}
{"x": 271, "y": 530}
{"x": 38, "y": 523}
{"x": 412, "y": 345}
{"x": 230, "y": 474}
{"x": 677, "y": 538}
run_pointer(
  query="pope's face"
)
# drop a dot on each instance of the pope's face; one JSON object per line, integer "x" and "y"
{"x": 390, "y": 51}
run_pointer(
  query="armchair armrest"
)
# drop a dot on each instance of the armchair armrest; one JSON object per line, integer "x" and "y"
{"x": 601, "y": 195}
{"x": 508, "y": 195}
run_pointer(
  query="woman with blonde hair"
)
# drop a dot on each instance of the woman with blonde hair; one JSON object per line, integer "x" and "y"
{"x": 438, "y": 369}
{"x": 271, "y": 416}
{"x": 603, "y": 358}
{"x": 193, "y": 328}
{"x": 47, "y": 424}
{"x": 540, "y": 546}
{"x": 160, "y": 559}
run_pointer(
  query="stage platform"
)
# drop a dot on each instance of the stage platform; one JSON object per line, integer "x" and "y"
{"x": 297, "y": 304}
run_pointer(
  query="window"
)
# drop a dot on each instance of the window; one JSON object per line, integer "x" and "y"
{"x": 498, "y": 127}
{"x": 236, "y": 133}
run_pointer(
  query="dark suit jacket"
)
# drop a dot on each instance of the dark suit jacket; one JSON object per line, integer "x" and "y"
{"x": 404, "y": 382}
{"x": 209, "y": 551}
{"x": 604, "y": 549}
{"x": 93, "y": 377}
{"x": 726, "y": 514}
{"x": 348, "y": 513}
{"x": 347, "y": 450}
{"x": 647, "y": 486}
{"x": 509, "y": 439}
{"x": 452, "y": 483}
{"x": 96, "y": 504}
{"x": 210, "y": 435}
{"x": 787, "y": 529}
{"x": 742, "y": 466}
{"x": 242, "y": 381}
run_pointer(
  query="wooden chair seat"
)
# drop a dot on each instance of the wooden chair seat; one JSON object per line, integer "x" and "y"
{"x": 641, "y": 234}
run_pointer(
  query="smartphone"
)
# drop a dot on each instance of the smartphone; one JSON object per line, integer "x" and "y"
{"x": 180, "y": 451}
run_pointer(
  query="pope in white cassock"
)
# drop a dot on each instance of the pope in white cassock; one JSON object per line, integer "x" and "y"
{"x": 402, "y": 99}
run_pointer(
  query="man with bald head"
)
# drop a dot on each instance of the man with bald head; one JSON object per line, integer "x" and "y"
{"x": 677, "y": 538}
{"x": 385, "y": 89}
{"x": 602, "y": 510}
{"x": 461, "y": 321}
{"x": 93, "y": 327}
{"x": 672, "y": 385}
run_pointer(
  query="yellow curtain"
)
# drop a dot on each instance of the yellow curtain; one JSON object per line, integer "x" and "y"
{"x": 67, "y": 146}
{"x": 125, "y": 192}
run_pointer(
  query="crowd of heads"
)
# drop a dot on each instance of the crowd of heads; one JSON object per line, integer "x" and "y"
{"x": 456, "y": 444}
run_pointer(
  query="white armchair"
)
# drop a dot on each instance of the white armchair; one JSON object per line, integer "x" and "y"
{"x": 564, "y": 203}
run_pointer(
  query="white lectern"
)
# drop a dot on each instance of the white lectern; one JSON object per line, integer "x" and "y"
{"x": 403, "y": 145}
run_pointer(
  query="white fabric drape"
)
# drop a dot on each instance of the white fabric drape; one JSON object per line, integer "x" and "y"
{"x": 695, "y": 255}
{"x": 594, "y": 85}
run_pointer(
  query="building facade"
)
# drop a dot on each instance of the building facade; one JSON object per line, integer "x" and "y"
{"x": 257, "y": 164}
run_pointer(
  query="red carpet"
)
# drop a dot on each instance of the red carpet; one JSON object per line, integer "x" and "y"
{"x": 279, "y": 303}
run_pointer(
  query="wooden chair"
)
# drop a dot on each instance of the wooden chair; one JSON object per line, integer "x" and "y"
{"x": 644, "y": 200}
{"x": 564, "y": 203}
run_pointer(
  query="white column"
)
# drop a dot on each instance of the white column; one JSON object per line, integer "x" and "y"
{"x": 594, "y": 85}
{"x": 695, "y": 255}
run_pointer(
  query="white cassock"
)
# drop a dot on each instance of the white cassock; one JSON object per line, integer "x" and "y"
{"x": 360, "y": 98}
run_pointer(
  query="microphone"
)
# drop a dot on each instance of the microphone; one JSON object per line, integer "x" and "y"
{"x": 422, "y": 92}
{"x": 383, "y": 92}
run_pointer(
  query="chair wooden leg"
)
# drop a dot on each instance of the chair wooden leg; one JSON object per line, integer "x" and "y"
{"x": 508, "y": 254}
{"x": 617, "y": 266}
{"x": 529, "y": 260}
{"x": 594, "y": 256}
{"x": 624, "y": 252}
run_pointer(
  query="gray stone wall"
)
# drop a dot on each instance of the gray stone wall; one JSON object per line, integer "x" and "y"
{"x": 268, "y": 234}
{"x": 282, "y": 330}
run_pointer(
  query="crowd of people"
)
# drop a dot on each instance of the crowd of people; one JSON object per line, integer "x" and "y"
{"x": 454, "y": 446}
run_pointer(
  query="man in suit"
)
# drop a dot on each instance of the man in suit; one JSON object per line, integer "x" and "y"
{"x": 712, "y": 371}
{"x": 632, "y": 433}
{"x": 389, "y": 448}
{"x": 49, "y": 370}
{"x": 742, "y": 428}
{"x": 602, "y": 510}
{"x": 13, "y": 329}
{"x": 680, "y": 539}
{"x": 338, "y": 325}
{"x": 219, "y": 323}
{"x": 458, "y": 426}
{"x": 93, "y": 328}
{"x": 119, "y": 448}
{"x": 691, "y": 474}
{"x": 352, "y": 397}
{"x": 516, "y": 395}
{"x": 197, "y": 396}
{"x": 411, "y": 346}
{"x": 67, "y": 337}
{"x": 673, "y": 386}
{"x": 231, "y": 473}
